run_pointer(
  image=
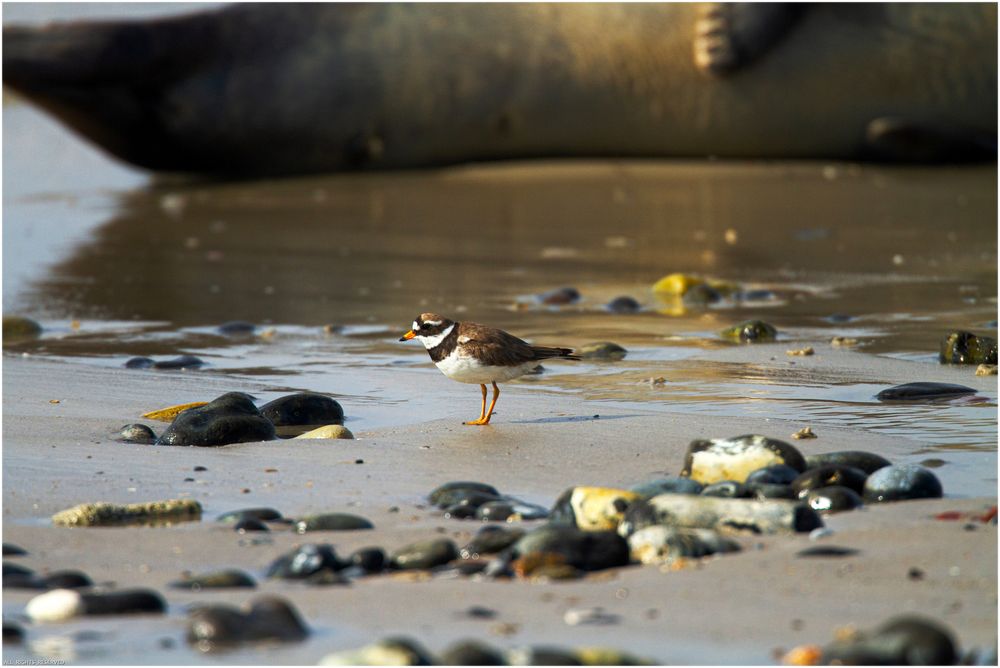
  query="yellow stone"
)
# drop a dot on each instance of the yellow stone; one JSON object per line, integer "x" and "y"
{"x": 328, "y": 431}
{"x": 676, "y": 284}
{"x": 168, "y": 414}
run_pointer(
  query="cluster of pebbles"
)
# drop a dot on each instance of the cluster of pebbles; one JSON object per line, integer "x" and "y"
{"x": 727, "y": 488}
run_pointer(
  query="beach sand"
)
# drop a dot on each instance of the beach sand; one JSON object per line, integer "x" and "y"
{"x": 742, "y": 608}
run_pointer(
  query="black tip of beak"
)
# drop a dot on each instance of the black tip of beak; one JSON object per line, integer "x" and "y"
{"x": 403, "y": 338}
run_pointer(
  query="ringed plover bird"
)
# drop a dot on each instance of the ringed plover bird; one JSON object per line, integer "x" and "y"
{"x": 473, "y": 353}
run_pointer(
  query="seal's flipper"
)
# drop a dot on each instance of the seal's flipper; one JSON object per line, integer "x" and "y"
{"x": 892, "y": 139}
{"x": 728, "y": 36}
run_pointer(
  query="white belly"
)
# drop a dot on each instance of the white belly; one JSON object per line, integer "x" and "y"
{"x": 467, "y": 370}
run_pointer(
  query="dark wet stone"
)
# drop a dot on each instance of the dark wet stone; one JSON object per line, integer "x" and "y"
{"x": 199, "y": 468}
{"x": 776, "y": 474}
{"x": 868, "y": 462}
{"x": 932, "y": 462}
{"x": 137, "y": 433}
{"x": 766, "y": 490}
{"x": 10, "y": 568}
{"x": 69, "y": 579}
{"x": 250, "y": 524}
{"x": 23, "y": 581}
{"x": 545, "y": 656}
{"x": 451, "y": 493}
{"x": 304, "y": 408}
{"x": 602, "y": 350}
{"x": 19, "y": 328}
{"x": 333, "y": 522}
{"x": 839, "y": 318}
{"x": 728, "y": 489}
{"x": 261, "y": 514}
{"x": 304, "y": 562}
{"x": 460, "y": 512}
{"x": 424, "y": 554}
{"x": 466, "y": 567}
{"x": 270, "y": 618}
{"x": 623, "y": 304}
{"x": 833, "y": 499}
{"x": 470, "y": 498}
{"x": 479, "y": 612}
{"x": 232, "y": 418}
{"x": 369, "y": 559}
{"x": 922, "y": 390}
{"x": 901, "y": 482}
{"x": 586, "y": 550}
{"x": 494, "y": 511}
{"x": 472, "y": 653}
{"x": 123, "y": 602}
{"x": 560, "y": 296}
{"x": 12, "y": 633}
{"x": 180, "y": 362}
{"x": 491, "y": 540}
{"x": 907, "y": 640}
{"x": 139, "y": 363}
{"x": 967, "y": 348}
{"x": 11, "y": 550}
{"x": 709, "y": 461}
{"x": 750, "y": 331}
{"x": 236, "y": 328}
{"x": 701, "y": 294}
{"x": 827, "y": 551}
{"x": 755, "y": 296}
{"x": 326, "y": 578}
{"x": 670, "y": 484}
{"x": 527, "y": 511}
{"x": 225, "y": 579}
{"x": 829, "y": 476}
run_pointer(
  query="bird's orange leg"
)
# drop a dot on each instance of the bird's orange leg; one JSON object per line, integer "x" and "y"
{"x": 485, "y": 419}
{"x": 482, "y": 411}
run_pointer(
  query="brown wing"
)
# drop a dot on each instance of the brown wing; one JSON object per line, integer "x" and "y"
{"x": 499, "y": 348}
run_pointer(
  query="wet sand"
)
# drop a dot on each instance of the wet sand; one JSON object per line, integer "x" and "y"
{"x": 740, "y": 608}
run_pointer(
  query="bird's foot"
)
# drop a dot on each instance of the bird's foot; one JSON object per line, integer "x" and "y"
{"x": 480, "y": 421}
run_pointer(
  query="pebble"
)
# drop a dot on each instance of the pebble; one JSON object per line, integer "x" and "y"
{"x": 305, "y": 561}
{"x": 236, "y": 328}
{"x": 827, "y": 476}
{"x": 766, "y": 490}
{"x": 231, "y": 418}
{"x": 180, "y": 362}
{"x": 332, "y": 522}
{"x": 709, "y": 461}
{"x": 303, "y": 408}
{"x": 804, "y": 433}
{"x": 677, "y": 284}
{"x": 901, "y": 482}
{"x": 595, "y": 616}
{"x": 585, "y": 550}
{"x": 986, "y": 370}
{"x": 451, "y": 493}
{"x": 465, "y": 512}
{"x": 560, "y": 296}
{"x": 269, "y": 618}
{"x": 728, "y": 515}
{"x": 661, "y": 544}
{"x": 922, "y": 390}
{"x": 260, "y": 514}
{"x": 224, "y": 579}
{"x": 801, "y": 352}
{"x": 591, "y": 508}
{"x": 472, "y": 653}
{"x": 62, "y": 604}
{"x": 727, "y": 489}
{"x": 868, "y": 462}
{"x": 493, "y": 511}
{"x": 833, "y": 499}
{"x": 67, "y": 579}
{"x": 328, "y": 431}
{"x": 491, "y": 540}
{"x": 967, "y": 348}
{"x": 827, "y": 551}
{"x": 906, "y": 640}
{"x": 623, "y": 304}
{"x": 18, "y": 328}
{"x": 542, "y": 656}
{"x": 776, "y": 474}
{"x": 398, "y": 651}
{"x": 11, "y": 550}
{"x": 12, "y": 633}
{"x": 674, "y": 484}
{"x": 369, "y": 559}
{"x": 112, "y": 514}
{"x": 250, "y": 525}
{"x": 425, "y": 554}
{"x": 750, "y": 331}
{"x": 701, "y": 295}
{"x": 139, "y": 363}
{"x": 137, "y": 433}
{"x": 843, "y": 342}
{"x": 602, "y": 350}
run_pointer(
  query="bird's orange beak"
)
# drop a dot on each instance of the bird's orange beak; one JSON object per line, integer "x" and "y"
{"x": 406, "y": 337}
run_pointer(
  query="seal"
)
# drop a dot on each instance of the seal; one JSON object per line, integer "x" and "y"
{"x": 270, "y": 89}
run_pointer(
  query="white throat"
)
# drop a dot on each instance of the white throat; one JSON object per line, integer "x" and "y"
{"x": 434, "y": 341}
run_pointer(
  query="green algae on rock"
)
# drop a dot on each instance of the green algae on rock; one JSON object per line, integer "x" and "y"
{"x": 750, "y": 331}
{"x": 19, "y": 328}
{"x": 114, "y": 514}
{"x": 967, "y": 348}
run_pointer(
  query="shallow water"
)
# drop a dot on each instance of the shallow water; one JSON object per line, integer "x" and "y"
{"x": 116, "y": 264}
